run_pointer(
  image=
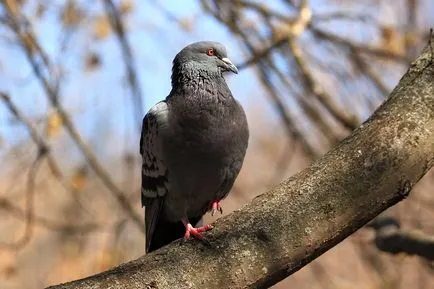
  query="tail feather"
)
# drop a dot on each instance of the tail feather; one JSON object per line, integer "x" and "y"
{"x": 167, "y": 232}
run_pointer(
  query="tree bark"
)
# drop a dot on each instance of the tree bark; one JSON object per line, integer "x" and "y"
{"x": 284, "y": 229}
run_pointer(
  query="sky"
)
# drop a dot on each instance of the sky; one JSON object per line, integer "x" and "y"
{"x": 99, "y": 101}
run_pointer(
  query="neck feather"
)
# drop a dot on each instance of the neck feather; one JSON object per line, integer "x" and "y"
{"x": 189, "y": 79}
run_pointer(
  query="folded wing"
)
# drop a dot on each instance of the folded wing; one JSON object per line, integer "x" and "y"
{"x": 154, "y": 170}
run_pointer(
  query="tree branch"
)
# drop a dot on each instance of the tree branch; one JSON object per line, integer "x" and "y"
{"x": 281, "y": 231}
{"x": 118, "y": 27}
{"x": 28, "y": 42}
{"x": 389, "y": 237}
{"x": 29, "y": 211}
{"x": 53, "y": 225}
{"x": 42, "y": 144}
{"x": 350, "y": 122}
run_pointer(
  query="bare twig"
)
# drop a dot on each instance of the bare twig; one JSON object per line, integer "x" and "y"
{"x": 53, "y": 97}
{"x": 70, "y": 128}
{"x": 296, "y": 27}
{"x": 370, "y": 73}
{"x": 283, "y": 162}
{"x": 42, "y": 146}
{"x": 389, "y": 237}
{"x": 118, "y": 27}
{"x": 287, "y": 119}
{"x": 320, "y": 274}
{"x": 258, "y": 55}
{"x": 52, "y": 225}
{"x": 370, "y": 50}
{"x": 350, "y": 122}
{"x": 291, "y": 129}
{"x": 342, "y": 15}
{"x": 29, "y": 211}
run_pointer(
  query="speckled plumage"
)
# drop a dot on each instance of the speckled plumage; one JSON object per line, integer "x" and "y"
{"x": 193, "y": 144}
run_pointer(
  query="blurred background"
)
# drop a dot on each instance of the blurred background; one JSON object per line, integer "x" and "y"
{"x": 76, "y": 78}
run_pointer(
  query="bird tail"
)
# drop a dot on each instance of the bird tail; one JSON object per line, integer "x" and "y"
{"x": 167, "y": 232}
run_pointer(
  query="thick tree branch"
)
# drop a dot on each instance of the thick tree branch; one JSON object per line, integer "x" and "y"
{"x": 281, "y": 231}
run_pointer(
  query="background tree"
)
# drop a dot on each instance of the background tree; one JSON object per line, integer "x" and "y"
{"x": 77, "y": 76}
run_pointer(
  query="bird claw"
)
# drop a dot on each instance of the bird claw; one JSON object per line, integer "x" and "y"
{"x": 195, "y": 232}
{"x": 216, "y": 207}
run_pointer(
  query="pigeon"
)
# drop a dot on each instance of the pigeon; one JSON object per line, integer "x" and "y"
{"x": 192, "y": 144}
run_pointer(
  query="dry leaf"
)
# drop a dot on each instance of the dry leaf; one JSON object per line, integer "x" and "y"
{"x": 54, "y": 124}
{"x": 391, "y": 40}
{"x": 101, "y": 27}
{"x": 108, "y": 259}
{"x": 71, "y": 14}
{"x": 41, "y": 9}
{"x": 93, "y": 61}
{"x": 186, "y": 24}
{"x": 9, "y": 269}
{"x": 79, "y": 179}
{"x": 411, "y": 39}
{"x": 126, "y": 7}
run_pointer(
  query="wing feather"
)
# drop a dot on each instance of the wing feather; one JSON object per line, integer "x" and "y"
{"x": 154, "y": 170}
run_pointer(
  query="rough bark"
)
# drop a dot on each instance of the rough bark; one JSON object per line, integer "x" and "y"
{"x": 284, "y": 229}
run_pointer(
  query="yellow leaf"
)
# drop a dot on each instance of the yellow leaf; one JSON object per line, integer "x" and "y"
{"x": 101, "y": 28}
{"x": 186, "y": 24}
{"x": 79, "y": 178}
{"x": 411, "y": 39}
{"x": 71, "y": 14}
{"x": 107, "y": 259}
{"x": 126, "y": 7}
{"x": 9, "y": 269}
{"x": 54, "y": 124}
{"x": 392, "y": 40}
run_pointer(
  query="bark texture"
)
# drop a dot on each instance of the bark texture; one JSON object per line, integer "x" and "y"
{"x": 284, "y": 229}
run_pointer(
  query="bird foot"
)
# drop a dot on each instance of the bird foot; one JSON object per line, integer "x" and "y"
{"x": 215, "y": 206}
{"x": 195, "y": 232}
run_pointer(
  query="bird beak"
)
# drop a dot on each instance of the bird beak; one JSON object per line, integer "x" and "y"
{"x": 229, "y": 65}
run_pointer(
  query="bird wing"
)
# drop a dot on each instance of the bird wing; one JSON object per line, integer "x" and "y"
{"x": 154, "y": 170}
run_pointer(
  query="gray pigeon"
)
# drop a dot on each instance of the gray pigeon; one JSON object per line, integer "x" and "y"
{"x": 193, "y": 145}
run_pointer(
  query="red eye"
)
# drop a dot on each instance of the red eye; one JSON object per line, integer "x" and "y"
{"x": 210, "y": 51}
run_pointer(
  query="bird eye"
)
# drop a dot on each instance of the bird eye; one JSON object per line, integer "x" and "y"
{"x": 210, "y": 51}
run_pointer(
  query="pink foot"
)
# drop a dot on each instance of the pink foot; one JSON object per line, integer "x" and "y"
{"x": 215, "y": 206}
{"x": 195, "y": 232}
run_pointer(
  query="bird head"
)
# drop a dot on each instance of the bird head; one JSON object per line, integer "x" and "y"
{"x": 206, "y": 55}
